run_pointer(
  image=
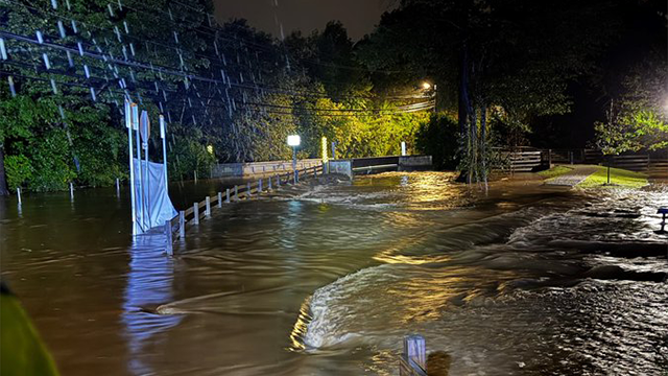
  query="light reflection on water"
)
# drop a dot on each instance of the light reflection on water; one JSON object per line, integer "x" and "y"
{"x": 325, "y": 280}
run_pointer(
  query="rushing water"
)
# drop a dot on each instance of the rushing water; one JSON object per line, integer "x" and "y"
{"x": 326, "y": 280}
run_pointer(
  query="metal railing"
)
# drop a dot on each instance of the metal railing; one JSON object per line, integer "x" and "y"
{"x": 203, "y": 209}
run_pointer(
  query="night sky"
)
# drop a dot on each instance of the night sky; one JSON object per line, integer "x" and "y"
{"x": 358, "y": 16}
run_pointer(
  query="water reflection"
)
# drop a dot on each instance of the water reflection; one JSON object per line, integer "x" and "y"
{"x": 149, "y": 284}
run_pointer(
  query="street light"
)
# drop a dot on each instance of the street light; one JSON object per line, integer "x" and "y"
{"x": 293, "y": 141}
{"x": 426, "y": 85}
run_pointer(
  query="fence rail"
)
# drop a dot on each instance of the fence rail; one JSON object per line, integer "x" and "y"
{"x": 203, "y": 209}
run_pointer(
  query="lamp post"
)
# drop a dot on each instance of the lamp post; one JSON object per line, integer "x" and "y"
{"x": 294, "y": 141}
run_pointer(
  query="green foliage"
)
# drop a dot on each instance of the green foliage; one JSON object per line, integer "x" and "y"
{"x": 18, "y": 170}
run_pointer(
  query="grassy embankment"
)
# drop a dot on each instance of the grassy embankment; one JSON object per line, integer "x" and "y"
{"x": 599, "y": 179}
{"x": 618, "y": 178}
{"x": 554, "y": 172}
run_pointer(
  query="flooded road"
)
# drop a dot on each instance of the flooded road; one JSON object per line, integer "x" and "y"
{"x": 326, "y": 280}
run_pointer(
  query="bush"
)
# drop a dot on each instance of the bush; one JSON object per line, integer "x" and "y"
{"x": 440, "y": 139}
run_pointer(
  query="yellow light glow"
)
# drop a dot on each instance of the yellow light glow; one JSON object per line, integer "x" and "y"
{"x": 210, "y": 149}
{"x": 426, "y": 85}
{"x": 325, "y": 158}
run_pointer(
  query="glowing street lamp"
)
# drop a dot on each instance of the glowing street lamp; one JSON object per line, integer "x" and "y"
{"x": 426, "y": 85}
{"x": 293, "y": 141}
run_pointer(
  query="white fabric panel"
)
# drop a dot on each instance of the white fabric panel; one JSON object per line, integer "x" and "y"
{"x": 153, "y": 204}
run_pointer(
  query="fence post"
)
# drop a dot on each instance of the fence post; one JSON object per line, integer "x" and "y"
{"x": 259, "y": 186}
{"x": 168, "y": 235}
{"x": 415, "y": 348}
{"x": 118, "y": 187}
{"x": 570, "y": 156}
{"x": 220, "y": 199}
{"x": 278, "y": 181}
{"x": 196, "y": 213}
{"x": 71, "y": 190}
{"x": 207, "y": 210}
{"x": 296, "y": 176}
{"x": 227, "y": 196}
{"x": 249, "y": 194}
{"x": 18, "y": 194}
{"x": 236, "y": 193}
{"x": 182, "y": 224}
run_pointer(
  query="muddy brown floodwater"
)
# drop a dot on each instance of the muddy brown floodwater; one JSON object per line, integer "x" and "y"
{"x": 326, "y": 280}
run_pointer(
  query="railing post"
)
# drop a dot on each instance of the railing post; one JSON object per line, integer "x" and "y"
{"x": 18, "y": 194}
{"x": 249, "y": 194}
{"x": 118, "y": 187}
{"x": 207, "y": 210}
{"x": 278, "y": 181}
{"x": 296, "y": 175}
{"x": 182, "y": 224}
{"x": 269, "y": 187}
{"x": 220, "y": 199}
{"x": 168, "y": 237}
{"x": 227, "y": 196}
{"x": 259, "y": 186}
{"x": 415, "y": 349}
{"x": 71, "y": 190}
{"x": 236, "y": 193}
{"x": 196, "y": 213}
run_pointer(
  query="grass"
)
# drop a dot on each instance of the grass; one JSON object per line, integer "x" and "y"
{"x": 618, "y": 178}
{"x": 554, "y": 172}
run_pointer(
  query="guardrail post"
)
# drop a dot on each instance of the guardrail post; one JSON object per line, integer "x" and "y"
{"x": 118, "y": 187}
{"x": 182, "y": 224}
{"x": 236, "y": 193}
{"x": 18, "y": 194}
{"x": 296, "y": 177}
{"x": 196, "y": 213}
{"x": 278, "y": 181}
{"x": 415, "y": 349}
{"x": 269, "y": 187}
{"x": 71, "y": 190}
{"x": 220, "y": 199}
{"x": 259, "y": 186}
{"x": 207, "y": 210}
{"x": 249, "y": 194}
{"x": 168, "y": 235}
{"x": 227, "y": 196}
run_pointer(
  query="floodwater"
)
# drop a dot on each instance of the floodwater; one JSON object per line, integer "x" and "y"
{"x": 327, "y": 279}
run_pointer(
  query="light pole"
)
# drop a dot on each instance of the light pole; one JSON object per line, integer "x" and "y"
{"x": 294, "y": 141}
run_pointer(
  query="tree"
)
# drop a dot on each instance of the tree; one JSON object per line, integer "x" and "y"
{"x": 515, "y": 54}
{"x": 638, "y": 118}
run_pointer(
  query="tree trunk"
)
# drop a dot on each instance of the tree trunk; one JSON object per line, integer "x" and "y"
{"x": 483, "y": 140}
{"x": 3, "y": 180}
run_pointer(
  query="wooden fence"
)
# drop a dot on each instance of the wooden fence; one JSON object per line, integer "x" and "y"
{"x": 192, "y": 216}
{"x": 530, "y": 160}
{"x": 525, "y": 160}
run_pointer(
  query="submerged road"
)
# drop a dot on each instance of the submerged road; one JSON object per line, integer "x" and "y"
{"x": 577, "y": 175}
{"x": 326, "y": 280}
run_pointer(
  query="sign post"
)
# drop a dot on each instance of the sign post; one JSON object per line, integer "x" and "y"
{"x": 294, "y": 141}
